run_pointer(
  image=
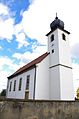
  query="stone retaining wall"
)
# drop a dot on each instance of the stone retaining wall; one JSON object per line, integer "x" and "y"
{"x": 20, "y": 109}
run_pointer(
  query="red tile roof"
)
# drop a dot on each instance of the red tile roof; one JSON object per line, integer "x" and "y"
{"x": 29, "y": 65}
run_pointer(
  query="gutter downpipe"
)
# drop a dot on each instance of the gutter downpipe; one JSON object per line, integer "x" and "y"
{"x": 34, "y": 84}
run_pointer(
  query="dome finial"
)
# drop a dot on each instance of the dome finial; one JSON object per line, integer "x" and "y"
{"x": 56, "y": 16}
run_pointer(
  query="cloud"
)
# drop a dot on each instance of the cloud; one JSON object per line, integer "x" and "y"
{"x": 20, "y": 35}
{"x": 8, "y": 62}
{"x": 3, "y": 80}
{"x": 1, "y": 48}
{"x": 75, "y": 52}
{"x": 31, "y": 1}
{"x": 35, "y": 22}
{"x": 37, "y": 18}
{"x": 6, "y": 23}
{"x": 21, "y": 39}
{"x": 7, "y": 67}
{"x": 6, "y": 29}
{"x": 75, "y": 65}
{"x": 26, "y": 57}
{"x": 75, "y": 76}
{"x": 4, "y": 10}
{"x": 18, "y": 28}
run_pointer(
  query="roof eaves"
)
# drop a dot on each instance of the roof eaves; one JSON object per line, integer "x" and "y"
{"x": 29, "y": 66}
{"x": 16, "y": 74}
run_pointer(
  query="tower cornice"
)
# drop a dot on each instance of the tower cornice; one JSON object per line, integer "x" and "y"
{"x": 58, "y": 28}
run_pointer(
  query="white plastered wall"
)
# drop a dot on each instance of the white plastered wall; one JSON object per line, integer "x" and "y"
{"x": 42, "y": 80}
{"x": 21, "y": 94}
{"x": 64, "y": 49}
{"x": 55, "y": 83}
{"x": 66, "y": 84}
{"x": 54, "y": 57}
{"x": 60, "y": 66}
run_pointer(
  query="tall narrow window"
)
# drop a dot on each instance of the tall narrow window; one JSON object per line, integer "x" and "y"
{"x": 63, "y": 36}
{"x": 14, "y": 85}
{"x": 52, "y": 37}
{"x": 20, "y": 84}
{"x": 27, "y": 82}
{"x": 10, "y": 86}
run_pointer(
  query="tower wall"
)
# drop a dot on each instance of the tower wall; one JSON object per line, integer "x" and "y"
{"x": 61, "y": 48}
{"x": 53, "y": 45}
{"x": 66, "y": 83}
{"x": 64, "y": 49}
{"x": 55, "y": 83}
{"x": 61, "y": 81}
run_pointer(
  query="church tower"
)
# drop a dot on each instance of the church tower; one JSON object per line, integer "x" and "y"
{"x": 61, "y": 81}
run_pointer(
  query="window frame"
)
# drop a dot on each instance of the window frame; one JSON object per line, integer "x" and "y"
{"x": 20, "y": 84}
{"x": 52, "y": 37}
{"x": 14, "y": 88}
{"x": 63, "y": 36}
{"x": 10, "y": 88}
{"x": 52, "y": 50}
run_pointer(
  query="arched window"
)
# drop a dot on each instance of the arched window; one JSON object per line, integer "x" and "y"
{"x": 10, "y": 86}
{"x": 52, "y": 37}
{"x": 20, "y": 84}
{"x": 14, "y": 88}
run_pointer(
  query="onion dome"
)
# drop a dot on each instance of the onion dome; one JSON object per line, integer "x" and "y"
{"x": 57, "y": 23}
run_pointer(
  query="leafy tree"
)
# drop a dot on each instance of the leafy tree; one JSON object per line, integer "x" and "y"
{"x": 3, "y": 93}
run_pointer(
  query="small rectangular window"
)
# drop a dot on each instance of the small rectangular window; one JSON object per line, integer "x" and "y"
{"x": 10, "y": 86}
{"x": 63, "y": 36}
{"x": 14, "y": 85}
{"x": 27, "y": 82}
{"x": 52, "y": 37}
{"x": 20, "y": 84}
{"x": 53, "y": 51}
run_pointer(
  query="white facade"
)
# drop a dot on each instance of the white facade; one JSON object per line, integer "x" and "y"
{"x": 21, "y": 94}
{"x": 51, "y": 76}
{"x": 61, "y": 47}
{"x": 60, "y": 67}
{"x": 42, "y": 80}
{"x": 39, "y": 90}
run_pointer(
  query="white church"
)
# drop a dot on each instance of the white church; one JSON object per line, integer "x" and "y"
{"x": 49, "y": 77}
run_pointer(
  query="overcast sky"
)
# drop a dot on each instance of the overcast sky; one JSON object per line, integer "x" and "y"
{"x": 23, "y": 26}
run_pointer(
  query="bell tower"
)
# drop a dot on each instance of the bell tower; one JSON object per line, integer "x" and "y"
{"x": 61, "y": 81}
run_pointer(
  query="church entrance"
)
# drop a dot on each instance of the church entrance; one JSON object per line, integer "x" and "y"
{"x": 27, "y": 87}
{"x": 26, "y": 94}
